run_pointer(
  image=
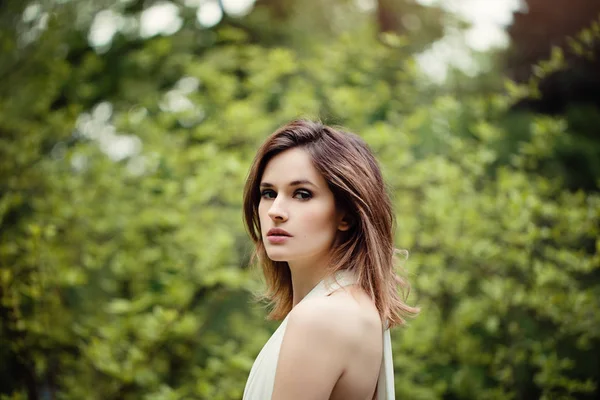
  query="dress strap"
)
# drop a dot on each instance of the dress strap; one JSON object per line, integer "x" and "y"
{"x": 385, "y": 383}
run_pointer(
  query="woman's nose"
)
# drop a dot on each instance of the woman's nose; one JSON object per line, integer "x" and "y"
{"x": 276, "y": 212}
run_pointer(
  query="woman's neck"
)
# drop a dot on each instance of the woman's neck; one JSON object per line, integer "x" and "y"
{"x": 305, "y": 276}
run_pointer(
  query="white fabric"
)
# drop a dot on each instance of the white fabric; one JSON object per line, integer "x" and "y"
{"x": 262, "y": 375}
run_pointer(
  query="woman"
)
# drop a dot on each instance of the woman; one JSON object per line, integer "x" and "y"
{"x": 317, "y": 210}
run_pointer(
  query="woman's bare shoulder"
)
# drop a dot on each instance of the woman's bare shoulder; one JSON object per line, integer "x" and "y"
{"x": 319, "y": 345}
{"x": 345, "y": 314}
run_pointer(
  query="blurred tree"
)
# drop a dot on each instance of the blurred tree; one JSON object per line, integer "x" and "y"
{"x": 536, "y": 30}
{"x": 572, "y": 91}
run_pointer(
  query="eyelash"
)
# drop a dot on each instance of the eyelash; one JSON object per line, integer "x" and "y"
{"x": 308, "y": 194}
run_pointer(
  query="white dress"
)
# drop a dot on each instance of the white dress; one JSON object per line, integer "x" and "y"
{"x": 262, "y": 375}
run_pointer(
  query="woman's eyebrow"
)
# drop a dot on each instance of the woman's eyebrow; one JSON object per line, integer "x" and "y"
{"x": 293, "y": 183}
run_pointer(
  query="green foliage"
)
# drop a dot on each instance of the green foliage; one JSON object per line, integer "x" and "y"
{"x": 123, "y": 273}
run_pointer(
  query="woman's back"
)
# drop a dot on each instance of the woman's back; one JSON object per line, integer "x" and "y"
{"x": 359, "y": 379}
{"x": 346, "y": 316}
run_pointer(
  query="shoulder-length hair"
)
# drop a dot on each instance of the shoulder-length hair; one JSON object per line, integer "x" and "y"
{"x": 367, "y": 248}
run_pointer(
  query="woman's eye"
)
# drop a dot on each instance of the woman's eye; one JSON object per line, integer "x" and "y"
{"x": 303, "y": 194}
{"x": 268, "y": 194}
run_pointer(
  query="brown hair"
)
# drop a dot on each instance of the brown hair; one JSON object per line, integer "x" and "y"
{"x": 353, "y": 175}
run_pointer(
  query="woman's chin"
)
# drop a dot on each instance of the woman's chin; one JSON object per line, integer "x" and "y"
{"x": 278, "y": 256}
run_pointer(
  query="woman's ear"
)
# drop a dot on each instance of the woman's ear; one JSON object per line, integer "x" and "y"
{"x": 345, "y": 223}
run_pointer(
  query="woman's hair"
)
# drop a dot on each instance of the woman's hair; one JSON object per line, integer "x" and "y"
{"x": 367, "y": 248}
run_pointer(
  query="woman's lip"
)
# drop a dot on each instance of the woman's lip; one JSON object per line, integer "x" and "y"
{"x": 275, "y": 239}
{"x": 278, "y": 231}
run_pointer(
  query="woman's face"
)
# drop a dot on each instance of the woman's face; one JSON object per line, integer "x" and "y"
{"x": 296, "y": 199}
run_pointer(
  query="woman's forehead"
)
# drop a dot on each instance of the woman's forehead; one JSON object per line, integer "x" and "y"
{"x": 289, "y": 167}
